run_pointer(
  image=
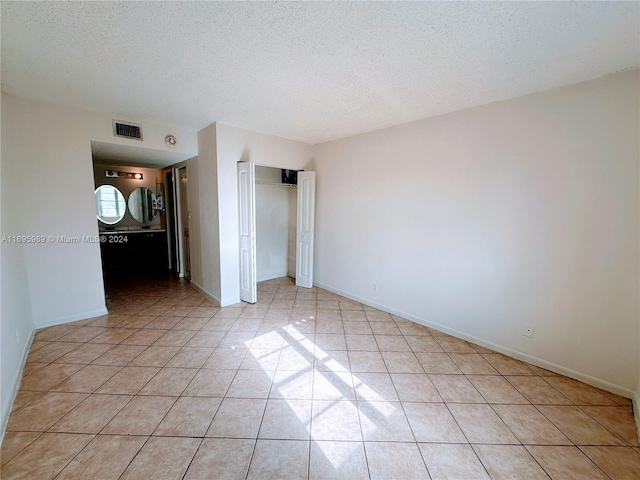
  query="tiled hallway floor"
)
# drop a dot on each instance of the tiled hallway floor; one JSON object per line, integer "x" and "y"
{"x": 302, "y": 384}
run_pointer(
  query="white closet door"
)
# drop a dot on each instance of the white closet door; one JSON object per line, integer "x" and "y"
{"x": 305, "y": 228}
{"x": 246, "y": 200}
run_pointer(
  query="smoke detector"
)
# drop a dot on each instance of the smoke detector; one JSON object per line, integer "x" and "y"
{"x": 171, "y": 141}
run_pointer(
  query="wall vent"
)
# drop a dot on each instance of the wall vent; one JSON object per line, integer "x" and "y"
{"x": 127, "y": 130}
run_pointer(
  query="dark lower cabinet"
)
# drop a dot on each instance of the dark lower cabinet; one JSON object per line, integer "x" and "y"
{"x": 140, "y": 250}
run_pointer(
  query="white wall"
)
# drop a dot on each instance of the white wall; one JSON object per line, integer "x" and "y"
{"x": 50, "y": 148}
{"x": 46, "y": 161}
{"x": 485, "y": 220}
{"x": 272, "y": 224}
{"x": 272, "y": 231}
{"x": 16, "y": 325}
{"x": 221, "y": 147}
{"x": 207, "y": 219}
{"x": 193, "y": 193}
{"x": 293, "y": 223}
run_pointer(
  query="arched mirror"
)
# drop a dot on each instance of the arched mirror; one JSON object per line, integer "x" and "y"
{"x": 142, "y": 205}
{"x": 110, "y": 204}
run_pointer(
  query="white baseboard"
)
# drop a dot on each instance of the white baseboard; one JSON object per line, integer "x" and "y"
{"x": 235, "y": 301}
{"x": 207, "y": 294}
{"x": 16, "y": 386}
{"x": 583, "y": 377}
{"x": 73, "y": 318}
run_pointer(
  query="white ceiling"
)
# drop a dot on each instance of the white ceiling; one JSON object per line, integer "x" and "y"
{"x": 307, "y": 71}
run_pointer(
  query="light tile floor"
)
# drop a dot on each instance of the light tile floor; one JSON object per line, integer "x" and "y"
{"x": 303, "y": 384}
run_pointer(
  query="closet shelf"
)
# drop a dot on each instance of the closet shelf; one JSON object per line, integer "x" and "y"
{"x": 275, "y": 184}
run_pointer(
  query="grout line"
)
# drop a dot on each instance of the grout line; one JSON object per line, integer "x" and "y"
{"x": 311, "y": 409}
{"x": 581, "y": 407}
{"x": 193, "y": 457}
{"x": 3, "y": 463}
{"x": 255, "y": 444}
{"x": 132, "y": 459}
{"x": 74, "y": 457}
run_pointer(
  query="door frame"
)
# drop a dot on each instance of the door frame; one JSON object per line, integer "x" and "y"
{"x": 172, "y": 245}
{"x": 247, "y": 246}
{"x": 178, "y": 220}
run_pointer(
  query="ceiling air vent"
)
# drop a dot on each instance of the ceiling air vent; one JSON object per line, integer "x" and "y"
{"x": 127, "y": 130}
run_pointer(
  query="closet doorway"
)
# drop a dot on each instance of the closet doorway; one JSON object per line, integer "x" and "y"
{"x": 276, "y": 226}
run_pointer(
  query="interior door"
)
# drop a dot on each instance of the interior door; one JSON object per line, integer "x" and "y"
{"x": 305, "y": 228}
{"x": 172, "y": 238}
{"x": 247, "y": 206}
{"x": 185, "y": 217}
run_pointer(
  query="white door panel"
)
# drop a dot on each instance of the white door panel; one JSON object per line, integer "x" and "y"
{"x": 246, "y": 200}
{"x": 305, "y": 228}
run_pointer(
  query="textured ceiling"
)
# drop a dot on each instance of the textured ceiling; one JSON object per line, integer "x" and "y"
{"x": 306, "y": 71}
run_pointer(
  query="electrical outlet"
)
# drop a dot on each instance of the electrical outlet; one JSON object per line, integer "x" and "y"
{"x": 17, "y": 336}
{"x": 374, "y": 287}
{"x": 528, "y": 331}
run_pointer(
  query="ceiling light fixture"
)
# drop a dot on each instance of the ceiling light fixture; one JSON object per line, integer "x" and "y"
{"x": 114, "y": 174}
